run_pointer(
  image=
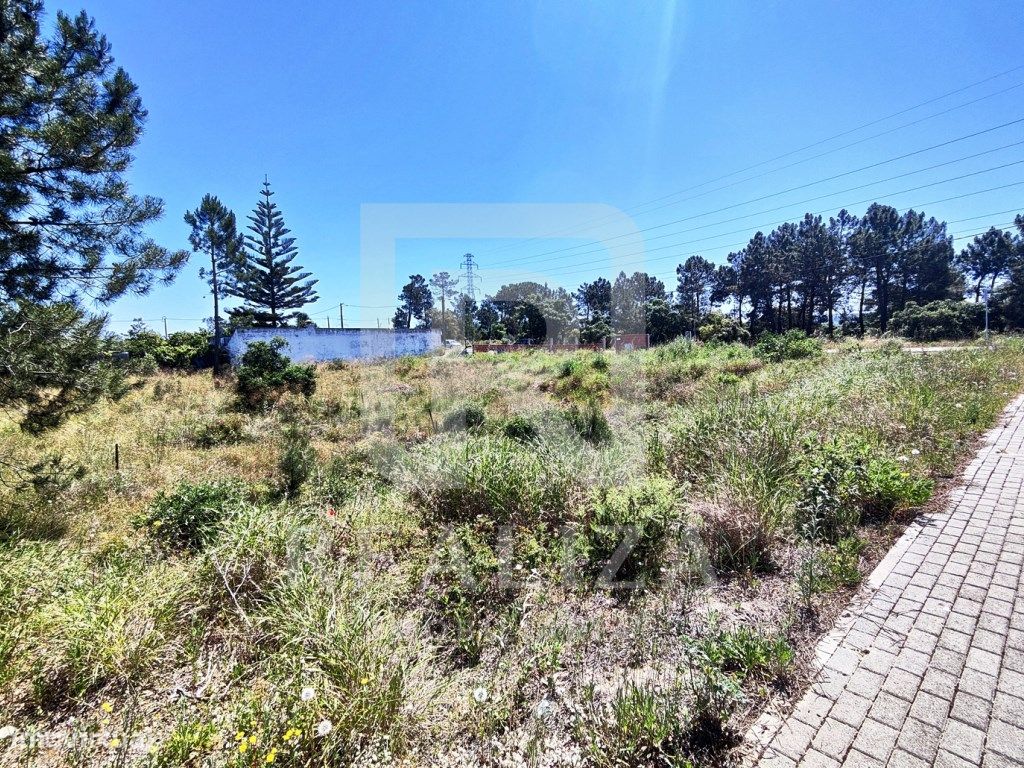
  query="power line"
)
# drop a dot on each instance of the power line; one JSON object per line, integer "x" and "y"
{"x": 791, "y": 189}
{"x": 615, "y": 260}
{"x": 790, "y": 153}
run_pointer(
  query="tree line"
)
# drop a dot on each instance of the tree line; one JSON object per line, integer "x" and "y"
{"x": 847, "y": 274}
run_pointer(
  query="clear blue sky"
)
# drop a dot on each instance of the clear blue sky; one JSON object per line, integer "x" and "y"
{"x": 345, "y": 104}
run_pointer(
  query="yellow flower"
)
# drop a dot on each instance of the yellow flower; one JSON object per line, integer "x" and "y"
{"x": 364, "y": 681}
{"x": 240, "y": 735}
{"x": 243, "y": 746}
{"x": 272, "y": 755}
{"x": 152, "y": 749}
{"x": 114, "y": 743}
{"x": 106, "y": 706}
{"x": 252, "y": 739}
{"x": 292, "y": 733}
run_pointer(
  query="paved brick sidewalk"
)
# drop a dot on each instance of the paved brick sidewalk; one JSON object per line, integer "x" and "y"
{"x": 926, "y": 667}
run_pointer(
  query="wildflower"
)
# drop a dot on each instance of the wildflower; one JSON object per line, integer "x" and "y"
{"x": 152, "y": 749}
{"x": 331, "y": 512}
{"x": 480, "y": 694}
{"x": 364, "y": 681}
{"x": 292, "y": 733}
{"x": 252, "y": 738}
{"x": 915, "y": 452}
{"x": 243, "y": 747}
{"x": 240, "y": 735}
{"x": 272, "y": 755}
{"x": 157, "y": 523}
{"x": 114, "y": 743}
{"x": 324, "y": 727}
{"x": 902, "y": 458}
{"x": 105, "y": 721}
{"x": 106, "y": 706}
{"x": 307, "y": 693}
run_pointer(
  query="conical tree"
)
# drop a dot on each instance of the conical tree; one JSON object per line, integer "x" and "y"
{"x": 271, "y": 287}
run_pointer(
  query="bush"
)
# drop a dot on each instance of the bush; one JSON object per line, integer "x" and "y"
{"x": 791, "y": 345}
{"x": 520, "y": 429}
{"x": 717, "y": 327}
{"x": 467, "y": 418}
{"x": 189, "y": 516}
{"x": 946, "y": 319}
{"x": 642, "y": 512}
{"x": 843, "y": 479}
{"x": 583, "y": 377}
{"x": 265, "y": 374}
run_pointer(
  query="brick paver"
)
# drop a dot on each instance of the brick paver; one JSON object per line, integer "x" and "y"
{"x": 926, "y": 666}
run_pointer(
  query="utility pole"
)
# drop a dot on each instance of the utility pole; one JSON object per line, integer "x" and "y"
{"x": 341, "y": 316}
{"x": 328, "y": 322}
{"x": 165, "y": 327}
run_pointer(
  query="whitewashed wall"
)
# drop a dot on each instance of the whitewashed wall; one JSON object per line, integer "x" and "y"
{"x": 317, "y": 344}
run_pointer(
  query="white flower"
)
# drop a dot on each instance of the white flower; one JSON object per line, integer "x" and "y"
{"x": 7, "y": 732}
{"x": 324, "y": 727}
{"x": 480, "y": 694}
{"x": 915, "y": 452}
{"x": 308, "y": 693}
{"x": 902, "y": 458}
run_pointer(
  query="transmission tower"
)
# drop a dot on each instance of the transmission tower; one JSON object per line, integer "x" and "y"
{"x": 468, "y": 265}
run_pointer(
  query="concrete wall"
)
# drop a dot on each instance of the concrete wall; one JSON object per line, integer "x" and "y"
{"x": 317, "y": 344}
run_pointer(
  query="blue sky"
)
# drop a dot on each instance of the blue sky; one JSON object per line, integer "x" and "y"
{"x": 587, "y": 103}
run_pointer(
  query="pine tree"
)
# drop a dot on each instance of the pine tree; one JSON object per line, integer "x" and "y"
{"x": 214, "y": 233}
{"x": 70, "y": 227}
{"x": 268, "y": 283}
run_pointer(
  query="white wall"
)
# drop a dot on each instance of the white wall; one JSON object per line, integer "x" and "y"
{"x": 317, "y": 344}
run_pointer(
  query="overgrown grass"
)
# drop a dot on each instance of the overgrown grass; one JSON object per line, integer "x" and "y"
{"x": 423, "y": 545}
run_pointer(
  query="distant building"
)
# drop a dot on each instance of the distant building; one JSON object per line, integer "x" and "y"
{"x": 321, "y": 344}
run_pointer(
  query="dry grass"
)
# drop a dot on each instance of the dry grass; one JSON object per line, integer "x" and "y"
{"x": 438, "y": 591}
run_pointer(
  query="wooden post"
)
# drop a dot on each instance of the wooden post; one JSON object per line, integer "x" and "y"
{"x": 117, "y": 457}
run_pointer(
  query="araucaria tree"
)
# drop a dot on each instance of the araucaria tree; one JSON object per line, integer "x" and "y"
{"x": 214, "y": 233}
{"x": 269, "y": 284}
{"x": 70, "y": 228}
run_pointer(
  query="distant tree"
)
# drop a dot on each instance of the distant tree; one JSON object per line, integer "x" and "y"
{"x": 444, "y": 286}
{"x": 214, "y": 233}
{"x": 841, "y": 268}
{"x": 268, "y": 283}
{"x": 988, "y": 257}
{"x": 630, "y": 295}
{"x": 1011, "y": 293}
{"x": 415, "y": 303}
{"x": 696, "y": 281}
{"x": 70, "y": 228}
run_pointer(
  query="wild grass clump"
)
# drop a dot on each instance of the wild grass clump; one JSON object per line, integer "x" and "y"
{"x": 583, "y": 378}
{"x": 643, "y": 725}
{"x": 589, "y": 422}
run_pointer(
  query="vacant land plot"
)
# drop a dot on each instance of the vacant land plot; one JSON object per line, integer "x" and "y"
{"x": 583, "y": 559}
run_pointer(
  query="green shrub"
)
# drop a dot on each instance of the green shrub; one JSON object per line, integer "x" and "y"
{"x": 843, "y": 479}
{"x": 716, "y": 327}
{"x": 337, "y": 480}
{"x": 791, "y": 345}
{"x": 520, "y": 429}
{"x": 189, "y": 516}
{"x": 265, "y": 374}
{"x": 467, "y": 418}
{"x": 589, "y": 422}
{"x": 640, "y": 512}
{"x": 945, "y": 319}
{"x": 583, "y": 377}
